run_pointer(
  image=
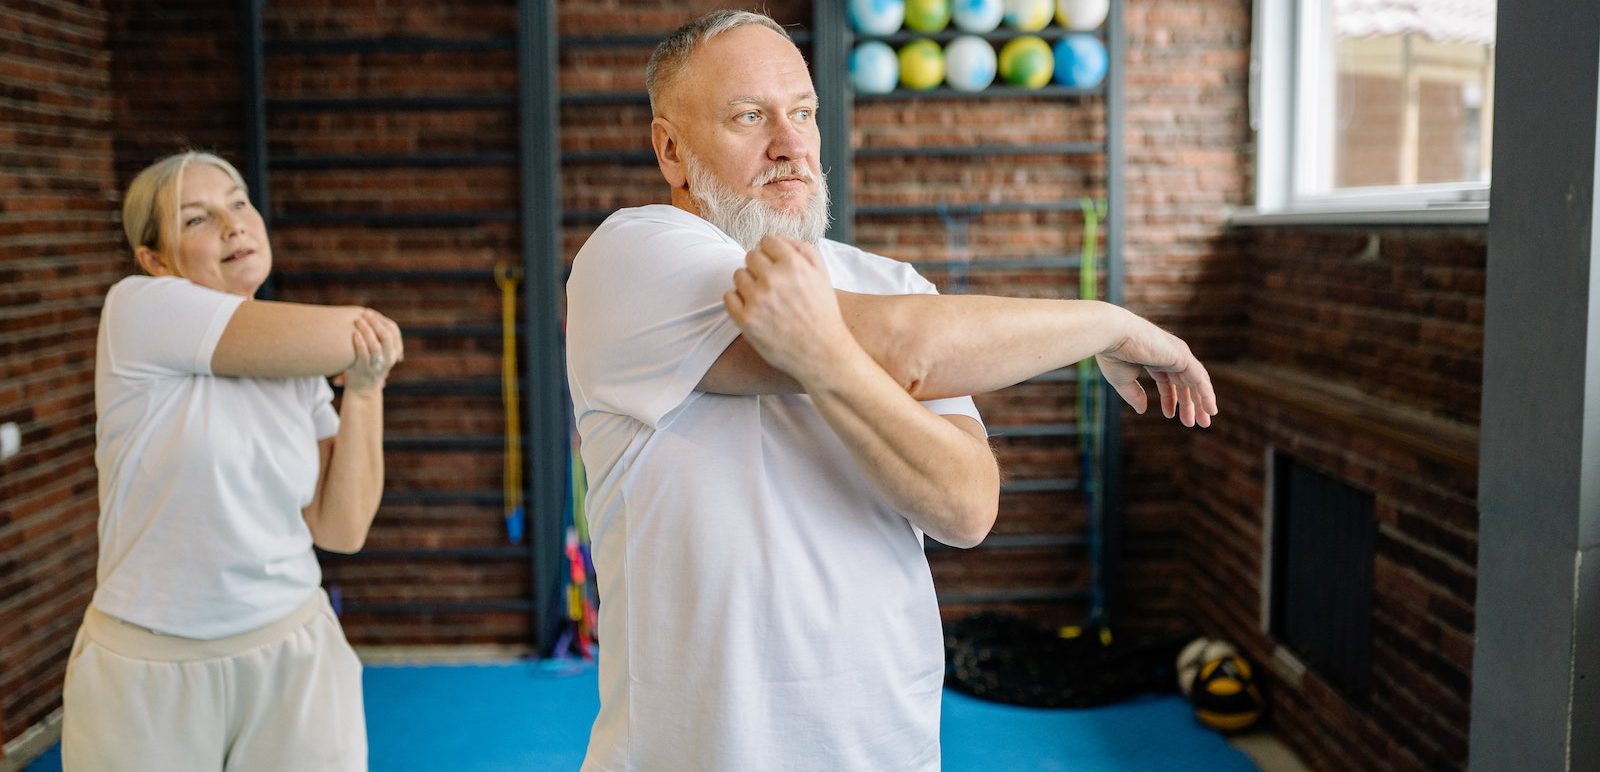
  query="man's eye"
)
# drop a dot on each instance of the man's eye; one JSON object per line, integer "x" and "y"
{"x": 749, "y": 117}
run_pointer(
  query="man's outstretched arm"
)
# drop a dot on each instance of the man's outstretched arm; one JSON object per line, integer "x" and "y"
{"x": 942, "y": 346}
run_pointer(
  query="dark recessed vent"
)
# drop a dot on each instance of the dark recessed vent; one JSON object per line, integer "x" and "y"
{"x": 1322, "y": 573}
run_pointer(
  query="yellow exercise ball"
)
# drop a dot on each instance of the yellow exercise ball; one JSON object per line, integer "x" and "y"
{"x": 922, "y": 64}
{"x": 1025, "y": 61}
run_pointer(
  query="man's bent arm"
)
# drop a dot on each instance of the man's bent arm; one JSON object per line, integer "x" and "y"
{"x": 938, "y": 472}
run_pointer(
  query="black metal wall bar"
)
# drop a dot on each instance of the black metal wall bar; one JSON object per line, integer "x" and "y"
{"x": 1109, "y": 503}
{"x": 1105, "y": 490}
{"x": 538, "y": 115}
{"x": 831, "y": 55}
{"x": 547, "y": 456}
{"x": 253, "y": 95}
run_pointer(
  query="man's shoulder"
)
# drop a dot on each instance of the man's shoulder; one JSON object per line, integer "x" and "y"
{"x": 858, "y": 270}
{"x": 665, "y": 216}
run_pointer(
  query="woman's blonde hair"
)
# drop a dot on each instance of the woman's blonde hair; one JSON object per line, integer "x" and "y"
{"x": 150, "y": 205}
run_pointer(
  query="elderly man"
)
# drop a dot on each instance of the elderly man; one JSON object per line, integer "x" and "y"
{"x": 771, "y": 422}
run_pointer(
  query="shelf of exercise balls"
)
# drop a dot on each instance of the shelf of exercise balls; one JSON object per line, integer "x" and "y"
{"x": 1061, "y": 148}
{"x": 991, "y": 92}
{"x": 1048, "y": 34}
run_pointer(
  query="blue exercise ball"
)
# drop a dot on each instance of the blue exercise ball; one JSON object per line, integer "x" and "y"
{"x": 874, "y": 68}
{"x": 877, "y": 17}
{"x": 969, "y": 63}
{"x": 978, "y": 16}
{"x": 1080, "y": 60}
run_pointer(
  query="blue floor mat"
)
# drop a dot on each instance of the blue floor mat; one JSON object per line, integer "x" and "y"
{"x": 536, "y": 716}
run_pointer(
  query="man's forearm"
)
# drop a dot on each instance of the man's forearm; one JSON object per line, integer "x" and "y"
{"x": 940, "y": 346}
{"x": 941, "y": 478}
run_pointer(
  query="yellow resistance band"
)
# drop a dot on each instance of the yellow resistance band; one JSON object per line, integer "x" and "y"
{"x": 507, "y": 277}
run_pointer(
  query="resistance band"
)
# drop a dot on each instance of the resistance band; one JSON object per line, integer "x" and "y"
{"x": 1090, "y": 407}
{"x": 506, "y": 277}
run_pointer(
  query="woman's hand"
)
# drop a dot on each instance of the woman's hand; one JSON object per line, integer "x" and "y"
{"x": 378, "y": 349}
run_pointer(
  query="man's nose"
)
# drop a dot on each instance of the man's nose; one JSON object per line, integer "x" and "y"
{"x": 788, "y": 144}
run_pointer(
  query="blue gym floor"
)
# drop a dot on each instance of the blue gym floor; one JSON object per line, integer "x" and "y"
{"x": 536, "y": 716}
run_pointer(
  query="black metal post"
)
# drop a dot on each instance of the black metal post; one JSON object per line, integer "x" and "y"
{"x": 1110, "y": 482}
{"x": 545, "y": 475}
{"x": 830, "y": 52}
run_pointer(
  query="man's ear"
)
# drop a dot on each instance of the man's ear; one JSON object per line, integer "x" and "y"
{"x": 150, "y": 261}
{"x": 663, "y": 136}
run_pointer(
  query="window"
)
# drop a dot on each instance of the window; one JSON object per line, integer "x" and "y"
{"x": 1373, "y": 105}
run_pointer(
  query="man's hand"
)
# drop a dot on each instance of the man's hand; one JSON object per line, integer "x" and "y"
{"x": 1183, "y": 383}
{"x": 786, "y": 307}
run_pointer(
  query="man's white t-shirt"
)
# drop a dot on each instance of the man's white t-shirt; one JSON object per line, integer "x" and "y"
{"x": 761, "y": 606}
{"x": 202, "y": 477}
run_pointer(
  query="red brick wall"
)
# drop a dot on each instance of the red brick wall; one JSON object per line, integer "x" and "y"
{"x": 60, "y": 252}
{"x": 1189, "y": 158}
{"x": 1364, "y": 365}
{"x": 175, "y": 71}
{"x": 1404, "y": 324}
{"x": 1400, "y": 331}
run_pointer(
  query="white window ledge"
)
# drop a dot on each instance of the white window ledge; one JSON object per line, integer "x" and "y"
{"x": 1464, "y": 213}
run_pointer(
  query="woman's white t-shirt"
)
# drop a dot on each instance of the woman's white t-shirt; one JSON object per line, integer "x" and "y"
{"x": 761, "y": 606}
{"x": 202, "y": 477}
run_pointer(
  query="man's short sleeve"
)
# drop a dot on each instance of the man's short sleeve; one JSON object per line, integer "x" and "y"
{"x": 916, "y": 284}
{"x": 164, "y": 326}
{"x": 645, "y": 319}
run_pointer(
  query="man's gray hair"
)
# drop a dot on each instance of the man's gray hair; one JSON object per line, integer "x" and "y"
{"x": 674, "y": 52}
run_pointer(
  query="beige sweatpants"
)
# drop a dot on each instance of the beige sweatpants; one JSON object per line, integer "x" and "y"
{"x": 282, "y": 697}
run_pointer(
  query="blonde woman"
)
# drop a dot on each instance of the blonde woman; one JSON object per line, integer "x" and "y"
{"x": 209, "y": 643}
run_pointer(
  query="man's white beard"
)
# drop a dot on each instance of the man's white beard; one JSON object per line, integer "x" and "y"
{"x": 746, "y": 218}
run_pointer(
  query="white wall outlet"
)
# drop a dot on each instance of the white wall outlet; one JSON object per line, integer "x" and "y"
{"x": 10, "y": 440}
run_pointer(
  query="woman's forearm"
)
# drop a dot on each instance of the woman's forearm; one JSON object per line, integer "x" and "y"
{"x": 353, "y": 481}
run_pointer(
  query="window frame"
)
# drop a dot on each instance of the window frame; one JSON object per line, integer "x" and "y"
{"x": 1286, "y": 35}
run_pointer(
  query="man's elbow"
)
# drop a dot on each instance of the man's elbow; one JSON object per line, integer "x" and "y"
{"x": 908, "y": 367}
{"x": 972, "y": 523}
